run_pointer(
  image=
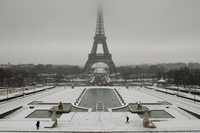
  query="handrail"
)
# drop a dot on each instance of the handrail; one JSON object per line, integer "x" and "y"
{"x": 122, "y": 100}
{"x": 79, "y": 97}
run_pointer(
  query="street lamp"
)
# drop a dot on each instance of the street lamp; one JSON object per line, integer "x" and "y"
{"x": 7, "y": 88}
{"x": 7, "y": 92}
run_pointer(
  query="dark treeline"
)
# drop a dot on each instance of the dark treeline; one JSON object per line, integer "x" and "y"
{"x": 184, "y": 76}
{"x": 129, "y": 72}
{"x": 21, "y": 75}
{"x": 179, "y": 75}
{"x": 58, "y": 69}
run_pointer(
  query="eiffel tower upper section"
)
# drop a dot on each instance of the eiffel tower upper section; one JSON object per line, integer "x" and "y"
{"x": 100, "y": 23}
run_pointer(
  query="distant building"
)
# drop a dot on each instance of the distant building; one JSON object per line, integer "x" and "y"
{"x": 162, "y": 82}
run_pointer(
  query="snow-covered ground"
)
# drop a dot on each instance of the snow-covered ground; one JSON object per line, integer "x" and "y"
{"x": 5, "y": 94}
{"x": 178, "y": 101}
{"x": 22, "y": 101}
{"x": 178, "y": 93}
{"x": 189, "y": 89}
{"x": 100, "y": 121}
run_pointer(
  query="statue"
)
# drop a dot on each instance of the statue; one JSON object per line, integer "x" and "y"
{"x": 60, "y": 106}
{"x": 146, "y": 122}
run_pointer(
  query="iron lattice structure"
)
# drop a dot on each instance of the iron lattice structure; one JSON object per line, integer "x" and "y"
{"x": 100, "y": 39}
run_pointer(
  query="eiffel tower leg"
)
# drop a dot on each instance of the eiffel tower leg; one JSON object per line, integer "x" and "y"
{"x": 94, "y": 48}
{"x": 88, "y": 66}
{"x": 105, "y": 48}
{"x": 111, "y": 65}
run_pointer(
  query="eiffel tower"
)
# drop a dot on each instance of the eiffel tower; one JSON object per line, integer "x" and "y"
{"x": 100, "y": 39}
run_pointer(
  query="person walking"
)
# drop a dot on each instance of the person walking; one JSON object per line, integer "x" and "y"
{"x": 127, "y": 119}
{"x": 37, "y": 125}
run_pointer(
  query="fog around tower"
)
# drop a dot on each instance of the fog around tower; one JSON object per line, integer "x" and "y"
{"x": 62, "y": 31}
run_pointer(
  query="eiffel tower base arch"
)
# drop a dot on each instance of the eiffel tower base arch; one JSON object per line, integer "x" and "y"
{"x": 96, "y": 58}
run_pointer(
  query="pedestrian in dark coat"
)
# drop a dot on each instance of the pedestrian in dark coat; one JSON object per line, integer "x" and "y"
{"x": 37, "y": 125}
{"x": 127, "y": 119}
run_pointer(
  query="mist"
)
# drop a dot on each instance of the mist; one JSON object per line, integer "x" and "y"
{"x": 62, "y": 31}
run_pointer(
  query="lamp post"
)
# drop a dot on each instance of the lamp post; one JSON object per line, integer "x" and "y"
{"x": 7, "y": 88}
{"x": 194, "y": 94}
{"x": 7, "y": 92}
{"x": 23, "y": 91}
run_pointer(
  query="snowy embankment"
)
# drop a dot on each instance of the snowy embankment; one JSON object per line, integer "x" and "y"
{"x": 22, "y": 91}
{"x": 177, "y": 93}
{"x": 6, "y": 106}
{"x": 192, "y": 89}
{"x": 175, "y": 100}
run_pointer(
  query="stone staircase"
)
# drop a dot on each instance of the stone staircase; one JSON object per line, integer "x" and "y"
{"x": 100, "y": 107}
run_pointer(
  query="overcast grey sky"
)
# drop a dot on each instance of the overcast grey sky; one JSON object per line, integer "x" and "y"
{"x": 61, "y": 31}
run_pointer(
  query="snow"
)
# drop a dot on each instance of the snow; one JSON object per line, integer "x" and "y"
{"x": 21, "y": 91}
{"x": 134, "y": 96}
{"x": 66, "y": 96}
{"x": 179, "y": 93}
{"x": 178, "y": 101}
{"x": 21, "y": 101}
{"x": 100, "y": 121}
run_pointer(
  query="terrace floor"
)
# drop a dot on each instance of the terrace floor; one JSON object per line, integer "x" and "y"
{"x": 99, "y": 121}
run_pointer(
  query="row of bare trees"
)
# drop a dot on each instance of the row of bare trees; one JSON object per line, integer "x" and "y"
{"x": 179, "y": 76}
{"x": 20, "y": 76}
{"x": 184, "y": 76}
